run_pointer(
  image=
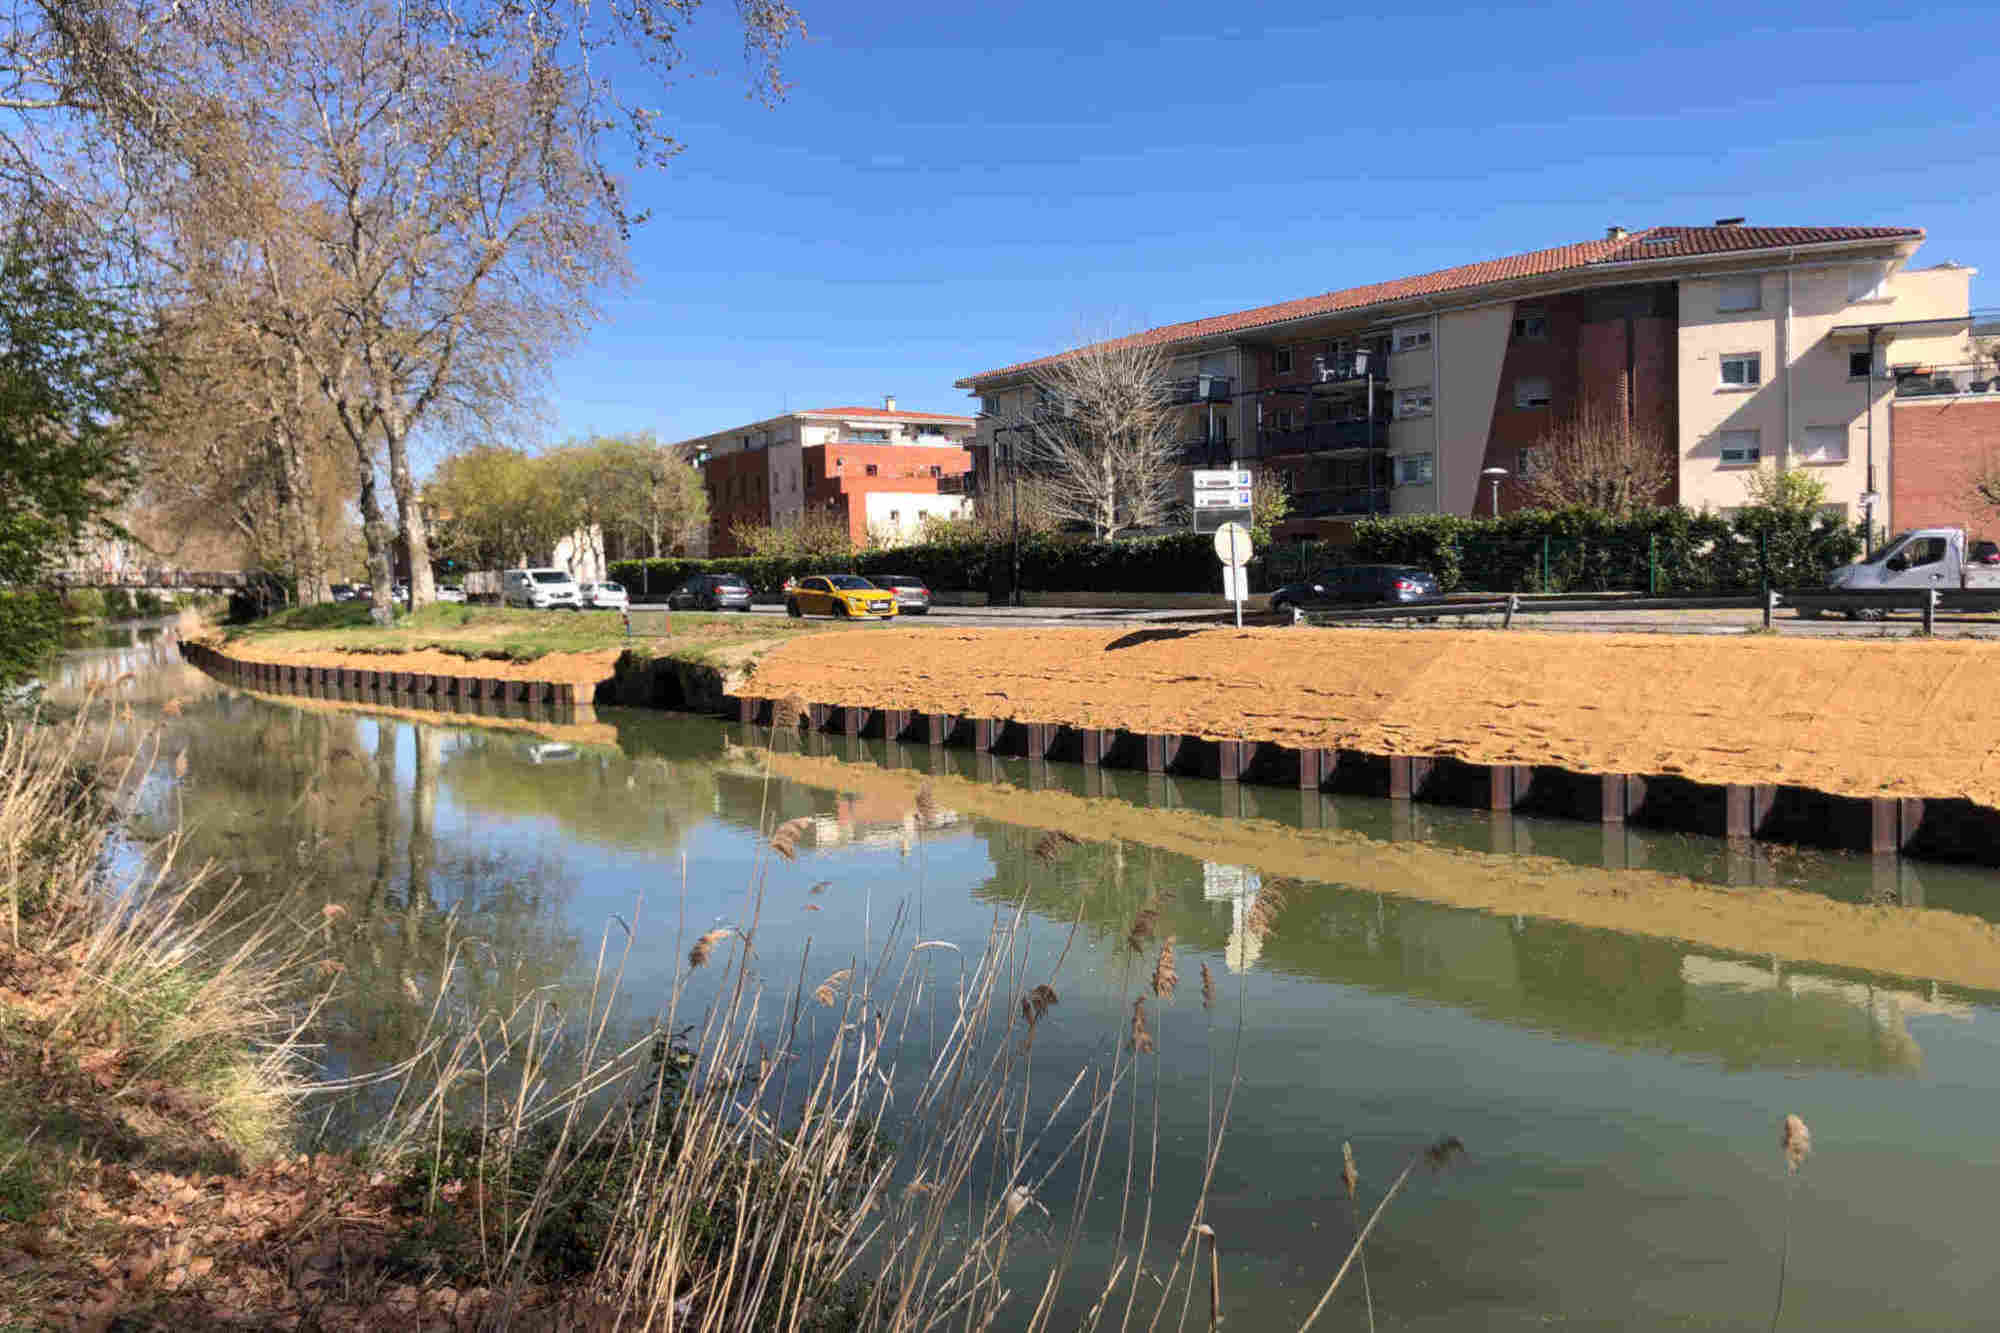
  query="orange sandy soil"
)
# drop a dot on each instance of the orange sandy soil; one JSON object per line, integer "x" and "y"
{"x": 1921, "y": 943}
{"x": 575, "y": 668}
{"x": 1859, "y": 718}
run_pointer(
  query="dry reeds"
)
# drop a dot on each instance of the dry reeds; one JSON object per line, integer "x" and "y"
{"x": 1142, "y": 1036}
{"x": 1264, "y": 911}
{"x": 829, "y": 990}
{"x": 1437, "y": 1155}
{"x": 1165, "y": 979}
{"x": 703, "y": 947}
{"x": 1795, "y": 1142}
{"x": 1038, "y": 1002}
{"x": 1143, "y": 925}
{"x": 785, "y": 838}
{"x": 1207, "y": 988}
{"x": 926, "y": 806}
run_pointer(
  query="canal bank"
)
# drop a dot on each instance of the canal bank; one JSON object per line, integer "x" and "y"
{"x": 1618, "y": 1089}
{"x": 1875, "y": 746}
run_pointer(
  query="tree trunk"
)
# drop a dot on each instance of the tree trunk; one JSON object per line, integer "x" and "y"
{"x": 375, "y": 532}
{"x": 409, "y": 513}
{"x": 302, "y": 527}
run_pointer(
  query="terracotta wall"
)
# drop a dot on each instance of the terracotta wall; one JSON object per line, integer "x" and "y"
{"x": 1937, "y": 447}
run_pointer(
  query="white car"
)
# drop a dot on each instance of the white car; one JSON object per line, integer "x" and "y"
{"x": 539, "y": 589}
{"x": 450, "y": 592}
{"x": 603, "y": 597}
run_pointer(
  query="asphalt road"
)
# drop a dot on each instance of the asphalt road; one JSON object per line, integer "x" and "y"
{"x": 1723, "y": 623}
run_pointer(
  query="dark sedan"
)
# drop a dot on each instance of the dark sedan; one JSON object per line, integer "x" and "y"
{"x": 1350, "y": 585}
{"x": 711, "y": 592}
{"x": 913, "y": 598}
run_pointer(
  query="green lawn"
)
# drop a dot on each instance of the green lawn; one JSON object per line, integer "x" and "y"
{"x": 506, "y": 634}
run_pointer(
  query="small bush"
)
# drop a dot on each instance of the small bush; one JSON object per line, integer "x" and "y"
{"x": 84, "y": 605}
{"x": 31, "y": 625}
{"x": 117, "y": 604}
{"x": 149, "y": 603}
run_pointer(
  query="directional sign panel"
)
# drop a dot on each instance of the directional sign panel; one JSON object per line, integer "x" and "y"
{"x": 1221, "y": 479}
{"x": 1232, "y": 499}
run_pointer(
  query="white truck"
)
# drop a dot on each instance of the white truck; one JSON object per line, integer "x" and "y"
{"x": 1966, "y": 577}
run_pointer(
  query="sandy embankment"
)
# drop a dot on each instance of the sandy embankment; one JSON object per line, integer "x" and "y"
{"x": 1852, "y": 717}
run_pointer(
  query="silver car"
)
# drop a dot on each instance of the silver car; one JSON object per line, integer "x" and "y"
{"x": 603, "y": 596}
{"x": 913, "y": 597}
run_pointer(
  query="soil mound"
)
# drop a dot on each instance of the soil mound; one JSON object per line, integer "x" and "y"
{"x": 1905, "y": 717}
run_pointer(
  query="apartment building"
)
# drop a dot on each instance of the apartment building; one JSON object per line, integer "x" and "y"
{"x": 1739, "y": 344}
{"x": 879, "y": 470}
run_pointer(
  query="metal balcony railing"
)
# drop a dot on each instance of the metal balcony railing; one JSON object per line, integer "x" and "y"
{"x": 1205, "y": 452}
{"x": 1201, "y": 389}
{"x": 1360, "y": 365}
{"x": 1341, "y": 501}
{"x": 1323, "y": 437}
{"x": 1939, "y": 381}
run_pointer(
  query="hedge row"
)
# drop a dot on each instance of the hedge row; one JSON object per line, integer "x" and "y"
{"x": 1680, "y": 551}
{"x": 1181, "y": 563}
{"x": 1571, "y": 550}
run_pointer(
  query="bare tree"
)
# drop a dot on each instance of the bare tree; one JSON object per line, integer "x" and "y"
{"x": 1595, "y": 458}
{"x": 1102, "y": 437}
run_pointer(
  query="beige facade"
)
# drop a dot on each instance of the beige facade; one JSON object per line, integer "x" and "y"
{"x": 1745, "y": 342}
{"x": 1814, "y": 402}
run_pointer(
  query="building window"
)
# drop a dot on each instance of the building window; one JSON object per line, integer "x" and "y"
{"x": 870, "y": 469}
{"x": 1859, "y": 365}
{"x": 1740, "y": 294}
{"x": 1530, "y": 324}
{"x": 1825, "y": 444}
{"x": 1743, "y": 370}
{"x": 1414, "y": 402}
{"x": 1414, "y": 470}
{"x": 1739, "y": 448}
{"x": 895, "y": 516}
{"x": 936, "y": 471}
{"x": 1281, "y": 361}
{"x": 1531, "y": 391}
{"x": 869, "y": 436}
{"x": 1869, "y": 282}
{"x": 1531, "y": 463}
{"x": 989, "y": 404}
{"x": 1412, "y": 337}
{"x": 839, "y": 463}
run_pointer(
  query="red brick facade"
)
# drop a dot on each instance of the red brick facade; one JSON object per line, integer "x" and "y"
{"x": 838, "y": 476}
{"x": 1617, "y": 346}
{"x": 739, "y": 491}
{"x": 1937, "y": 447}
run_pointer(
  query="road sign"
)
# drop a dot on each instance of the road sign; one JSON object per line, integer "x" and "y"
{"x": 1234, "y": 499}
{"x": 1232, "y": 544}
{"x": 1221, "y": 479}
{"x": 1869, "y": 499}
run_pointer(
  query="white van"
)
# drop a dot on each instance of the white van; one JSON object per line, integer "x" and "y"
{"x": 538, "y": 589}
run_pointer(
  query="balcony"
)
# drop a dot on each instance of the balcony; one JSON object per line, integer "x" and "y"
{"x": 1361, "y": 364}
{"x": 1324, "y": 437}
{"x": 1201, "y": 389}
{"x": 1205, "y": 452}
{"x": 1341, "y": 502}
{"x": 1947, "y": 381}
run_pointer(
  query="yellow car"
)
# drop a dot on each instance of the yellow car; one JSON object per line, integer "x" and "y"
{"x": 842, "y": 595}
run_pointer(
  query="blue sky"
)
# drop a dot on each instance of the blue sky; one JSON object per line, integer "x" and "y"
{"x": 947, "y": 189}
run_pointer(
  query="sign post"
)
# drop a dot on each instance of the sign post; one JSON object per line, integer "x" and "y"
{"x": 1232, "y": 548}
{"x": 1222, "y": 495}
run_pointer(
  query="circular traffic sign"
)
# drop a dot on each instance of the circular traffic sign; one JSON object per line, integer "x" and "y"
{"x": 1232, "y": 544}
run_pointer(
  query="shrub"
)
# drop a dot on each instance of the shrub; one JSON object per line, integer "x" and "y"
{"x": 117, "y": 604}
{"x": 31, "y": 623}
{"x": 84, "y": 605}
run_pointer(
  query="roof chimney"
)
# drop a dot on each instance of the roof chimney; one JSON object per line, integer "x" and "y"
{"x": 888, "y": 402}
{"x": 1615, "y": 233}
{"x": 1729, "y": 222}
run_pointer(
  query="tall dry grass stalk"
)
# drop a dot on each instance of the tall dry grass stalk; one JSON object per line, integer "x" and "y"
{"x": 1437, "y": 1156}
{"x": 1795, "y": 1142}
{"x": 1350, "y": 1182}
{"x": 192, "y": 987}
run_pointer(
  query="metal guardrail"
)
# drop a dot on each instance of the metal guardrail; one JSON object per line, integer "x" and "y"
{"x": 1809, "y": 602}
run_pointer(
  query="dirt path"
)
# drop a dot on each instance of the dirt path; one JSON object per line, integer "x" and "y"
{"x": 1905, "y": 718}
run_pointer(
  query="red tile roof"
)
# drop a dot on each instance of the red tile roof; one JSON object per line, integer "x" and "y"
{"x": 1651, "y": 243}
{"x": 885, "y": 412}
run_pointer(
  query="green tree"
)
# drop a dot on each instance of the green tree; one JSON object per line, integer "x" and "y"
{"x": 496, "y": 506}
{"x": 73, "y": 373}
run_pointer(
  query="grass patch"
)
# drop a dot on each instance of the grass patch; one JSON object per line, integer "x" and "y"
{"x": 505, "y": 634}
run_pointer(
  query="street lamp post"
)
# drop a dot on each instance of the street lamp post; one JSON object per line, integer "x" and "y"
{"x": 1496, "y": 475}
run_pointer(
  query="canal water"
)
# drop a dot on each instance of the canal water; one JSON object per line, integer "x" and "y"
{"x": 1615, "y": 1052}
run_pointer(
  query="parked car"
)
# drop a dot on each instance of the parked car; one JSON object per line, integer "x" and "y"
{"x": 1348, "y": 585}
{"x": 913, "y": 598}
{"x": 538, "y": 589}
{"x": 1928, "y": 558}
{"x": 450, "y": 592}
{"x": 343, "y": 592}
{"x": 602, "y": 596}
{"x": 400, "y": 594}
{"x": 840, "y": 595}
{"x": 711, "y": 592}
